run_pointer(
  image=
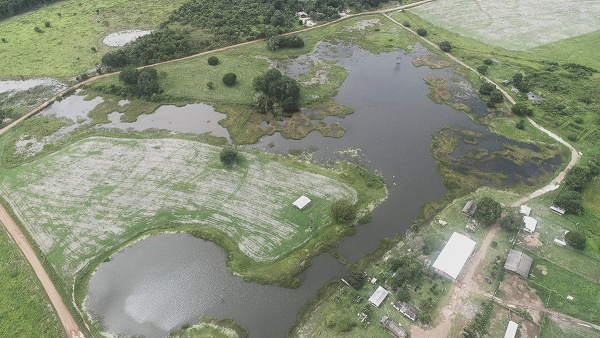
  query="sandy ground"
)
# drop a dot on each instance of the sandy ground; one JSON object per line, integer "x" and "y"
{"x": 65, "y": 317}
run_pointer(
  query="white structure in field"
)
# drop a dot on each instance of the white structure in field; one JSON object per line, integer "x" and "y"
{"x": 530, "y": 224}
{"x": 378, "y": 296}
{"x": 525, "y": 210}
{"x": 511, "y": 330}
{"x": 302, "y": 202}
{"x": 454, "y": 256}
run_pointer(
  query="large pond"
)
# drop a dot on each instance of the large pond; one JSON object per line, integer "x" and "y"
{"x": 160, "y": 283}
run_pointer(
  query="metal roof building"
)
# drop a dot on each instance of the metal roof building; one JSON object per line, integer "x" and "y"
{"x": 469, "y": 209}
{"x": 530, "y": 224}
{"x": 393, "y": 327}
{"x": 378, "y": 296}
{"x": 404, "y": 309}
{"x": 525, "y": 210}
{"x": 454, "y": 256}
{"x": 511, "y": 330}
{"x": 518, "y": 263}
{"x": 301, "y": 202}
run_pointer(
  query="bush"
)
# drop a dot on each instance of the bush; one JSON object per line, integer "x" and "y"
{"x": 570, "y": 201}
{"x": 488, "y": 62}
{"x": 422, "y": 32}
{"x": 228, "y": 154}
{"x": 210, "y": 85}
{"x": 406, "y": 24}
{"x": 513, "y": 221}
{"x": 47, "y": 24}
{"x": 487, "y": 211}
{"x": 287, "y": 41}
{"x": 577, "y": 178}
{"x": 93, "y": 49}
{"x": 521, "y": 109}
{"x": 521, "y": 124}
{"x": 213, "y": 60}
{"x": 129, "y": 76}
{"x": 357, "y": 279}
{"x": 4, "y": 40}
{"x": 445, "y": 46}
{"x": 229, "y": 79}
{"x": 343, "y": 210}
{"x": 38, "y": 29}
{"x": 576, "y": 239}
{"x": 496, "y": 96}
{"x": 403, "y": 295}
{"x": 486, "y": 88}
{"x": 482, "y": 69}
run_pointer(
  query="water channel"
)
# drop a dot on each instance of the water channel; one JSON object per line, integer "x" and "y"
{"x": 165, "y": 281}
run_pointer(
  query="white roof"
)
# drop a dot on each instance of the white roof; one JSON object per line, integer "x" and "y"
{"x": 301, "y": 202}
{"x": 525, "y": 210}
{"x": 530, "y": 223}
{"x": 378, "y": 296}
{"x": 511, "y": 330}
{"x": 454, "y": 255}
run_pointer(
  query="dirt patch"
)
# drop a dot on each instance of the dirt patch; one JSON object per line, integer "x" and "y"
{"x": 533, "y": 240}
{"x": 517, "y": 292}
{"x": 361, "y": 26}
{"x": 469, "y": 309}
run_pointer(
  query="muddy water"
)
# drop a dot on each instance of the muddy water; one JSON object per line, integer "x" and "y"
{"x": 165, "y": 281}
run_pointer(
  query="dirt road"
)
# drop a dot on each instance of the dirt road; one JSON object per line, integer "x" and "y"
{"x": 64, "y": 315}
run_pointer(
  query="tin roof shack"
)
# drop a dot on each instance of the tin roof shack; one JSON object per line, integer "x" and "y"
{"x": 393, "y": 327}
{"x": 519, "y": 263}
{"x": 530, "y": 224}
{"x": 557, "y": 209}
{"x": 454, "y": 256}
{"x": 469, "y": 209}
{"x": 301, "y": 202}
{"x": 511, "y": 330}
{"x": 378, "y": 296}
{"x": 404, "y": 309}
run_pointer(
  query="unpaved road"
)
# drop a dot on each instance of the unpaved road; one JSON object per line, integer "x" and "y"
{"x": 64, "y": 315}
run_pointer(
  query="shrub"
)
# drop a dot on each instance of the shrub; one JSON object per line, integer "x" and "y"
{"x": 47, "y": 24}
{"x": 4, "y": 40}
{"x": 521, "y": 109}
{"x": 94, "y": 49}
{"x": 287, "y": 41}
{"x": 228, "y": 154}
{"x": 343, "y": 210}
{"x": 403, "y": 295}
{"x": 570, "y": 201}
{"x": 357, "y": 279}
{"x": 513, "y": 221}
{"x": 129, "y": 76}
{"x": 213, "y": 60}
{"x": 576, "y": 239}
{"x": 488, "y": 62}
{"x": 422, "y": 32}
{"x": 445, "y": 46}
{"x": 406, "y": 24}
{"x": 210, "y": 85}
{"x": 38, "y": 29}
{"x": 229, "y": 79}
{"x": 521, "y": 124}
{"x": 486, "y": 88}
{"x": 482, "y": 69}
{"x": 496, "y": 96}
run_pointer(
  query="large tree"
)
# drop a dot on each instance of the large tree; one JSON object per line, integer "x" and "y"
{"x": 487, "y": 211}
{"x": 274, "y": 89}
{"x": 576, "y": 239}
{"x": 343, "y": 210}
{"x": 513, "y": 221}
{"x": 570, "y": 201}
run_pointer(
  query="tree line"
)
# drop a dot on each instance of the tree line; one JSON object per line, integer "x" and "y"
{"x": 10, "y": 8}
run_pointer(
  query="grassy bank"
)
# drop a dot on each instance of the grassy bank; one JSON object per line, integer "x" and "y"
{"x": 212, "y": 328}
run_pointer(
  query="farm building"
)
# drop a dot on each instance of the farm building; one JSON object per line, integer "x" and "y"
{"x": 454, "y": 256}
{"x": 560, "y": 243}
{"x": 378, "y": 296}
{"x": 469, "y": 209}
{"x": 519, "y": 263}
{"x": 557, "y": 209}
{"x": 525, "y": 210}
{"x": 530, "y": 224}
{"x": 505, "y": 82}
{"x": 393, "y": 327}
{"x": 511, "y": 330}
{"x": 404, "y": 309}
{"x": 301, "y": 202}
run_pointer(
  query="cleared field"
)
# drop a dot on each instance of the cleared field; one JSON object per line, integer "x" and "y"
{"x": 99, "y": 192}
{"x": 65, "y": 48}
{"x": 514, "y": 24}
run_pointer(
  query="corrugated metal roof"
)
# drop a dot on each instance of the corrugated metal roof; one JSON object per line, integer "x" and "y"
{"x": 518, "y": 263}
{"x": 454, "y": 255}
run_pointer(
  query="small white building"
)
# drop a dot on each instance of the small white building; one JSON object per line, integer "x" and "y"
{"x": 511, "y": 330}
{"x": 525, "y": 210}
{"x": 557, "y": 209}
{"x": 530, "y": 224}
{"x": 301, "y": 202}
{"x": 454, "y": 256}
{"x": 560, "y": 243}
{"x": 378, "y": 296}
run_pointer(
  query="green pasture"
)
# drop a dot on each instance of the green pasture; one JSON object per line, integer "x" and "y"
{"x": 553, "y": 328}
{"x": 64, "y": 49}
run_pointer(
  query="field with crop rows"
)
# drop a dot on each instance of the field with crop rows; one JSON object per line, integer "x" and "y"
{"x": 514, "y": 24}
{"x": 99, "y": 192}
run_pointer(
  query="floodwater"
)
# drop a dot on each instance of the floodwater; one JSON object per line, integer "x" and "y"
{"x": 165, "y": 281}
{"x": 21, "y": 85}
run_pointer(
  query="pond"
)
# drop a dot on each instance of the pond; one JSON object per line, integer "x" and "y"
{"x": 162, "y": 282}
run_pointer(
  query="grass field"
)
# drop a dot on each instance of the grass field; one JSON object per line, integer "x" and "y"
{"x": 551, "y": 329}
{"x": 64, "y": 49}
{"x": 514, "y": 24}
{"x": 25, "y": 310}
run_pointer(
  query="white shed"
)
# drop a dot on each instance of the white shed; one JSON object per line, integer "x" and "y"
{"x": 301, "y": 202}
{"x": 530, "y": 224}
{"x": 525, "y": 210}
{"x": 454, "y": 256}
{"x": 378, "y": 296}
{"x": 511, "y": 330}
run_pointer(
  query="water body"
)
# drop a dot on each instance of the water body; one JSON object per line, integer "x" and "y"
{"x": 164, "y": 281}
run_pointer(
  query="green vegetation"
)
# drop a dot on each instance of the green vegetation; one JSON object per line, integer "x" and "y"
{"x": 550, "y": 329}
{"x": 343, "y": 210}
{"x": 445, "y": 46}
{"x": 276, "y": 93}
{"x": 512, "y": 221}
{"x": 24, "y": 306}
{"x": 480, "y": 324}
{"x": 213, "y": 60}
{"x": 212, "y": 328}
{"x": 284, "y": 41}
{"x": 229, "y": 79}
{"x": 228, "y": 154}
{"x": 9, "y": 8}
{"x": 576, "y": 239}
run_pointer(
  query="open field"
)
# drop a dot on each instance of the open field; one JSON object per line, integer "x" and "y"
{"x": 97, "y": 193}
{"x": 514, "y": 24}
{"x": 64, "y": 49}
{"x": 24, "y": 306}
{"x": 582, "y": 49}
{"x": 551, "y": 329}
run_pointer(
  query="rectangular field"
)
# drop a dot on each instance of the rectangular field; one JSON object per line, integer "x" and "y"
{"x": 99, "y": 192}
{"x": 514, "y": 24}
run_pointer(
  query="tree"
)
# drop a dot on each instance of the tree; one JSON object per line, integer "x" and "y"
{"x": 275, "y": 91}
{"x": 129, "y": 76}
{"x": 521, "y": 124}
{"x": 517, "y": 78}
{"x": 445, "y": 46}
{"x": 487, "y": 211}
{"x": 343, "y": 210}
{"x": 228, "y": 154}
{"x": 488, "y": 62}
{"x": 576, "y": 239}
{"x": 229, "y": 79}
{"x": 482, "y": 69}
{"x": 570, "y": 201}
{"x": 210, "y": 85}
{"x": 496, "y": 96}
{"x": 47, "y": 24}
{"x": 147, "y": 82}
{"x": 577, "y": 178}
{"x": 405, "y": 23}
{"x": 422, "y": 32}
{"x": 357, "y": 279}
{"x": 403, "y": 295}
{"x": 521, "y": 109}
{"x": 486, "y": 88}
{"x": 513, "y": 221}
{"x": 213, "y": 60}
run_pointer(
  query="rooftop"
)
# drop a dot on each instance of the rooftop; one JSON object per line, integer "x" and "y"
{"x": 378, "y": 296}
{"x": 518, "y": 263}
{"x": 454, "y": 255}
{"x": 301, "y": 202}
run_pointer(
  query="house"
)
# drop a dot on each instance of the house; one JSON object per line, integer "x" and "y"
{"x": 378, "y": 296}
{"x": 302, "y": 15}
{"x": 511, "y": 330}
{"x": 505, "y": 82}
{"x": 301, "y": 202}
{"x": 530, "y": 224}
{"x": 404, "y": 309}
{"x": 469, "y": 209}
{"x": 525, "y": 210}
{"x": 454, "y": 256}
{"x": 519, "y": 263}
{"x": 557, "y": 209}
{"x": 393, "y": 327}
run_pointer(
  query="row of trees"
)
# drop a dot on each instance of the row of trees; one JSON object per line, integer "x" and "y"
{"x": 143, "y": 83}
{"x": 285, "y": 41}
{"x": 10, "y": 8}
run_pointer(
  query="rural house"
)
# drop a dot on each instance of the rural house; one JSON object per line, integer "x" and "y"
{"x": 519, "y": 263}
{"x": 404, "y": 309}
{"x": 530, "y": 224}
{"x": 378, "y": 296}
{"x": 469, "y": 209}
{"x": 393, "y": 327}
{"x": 511, "y": 330}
